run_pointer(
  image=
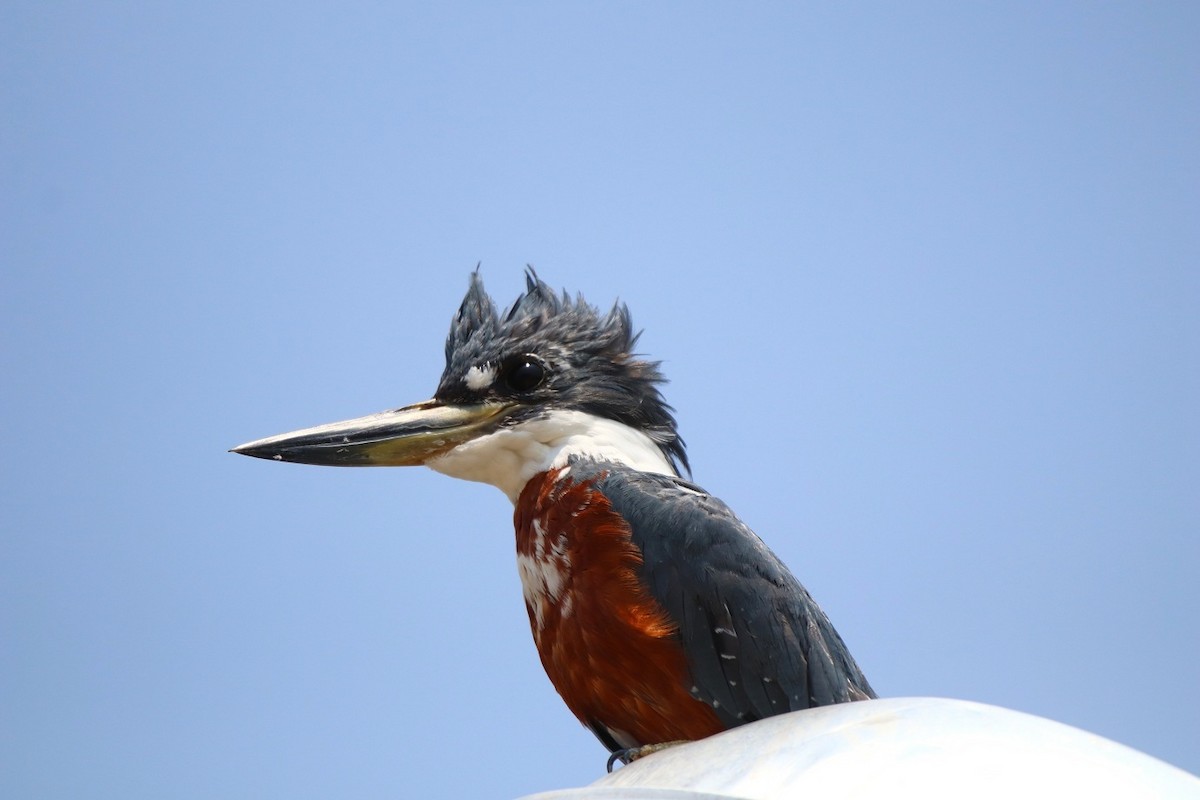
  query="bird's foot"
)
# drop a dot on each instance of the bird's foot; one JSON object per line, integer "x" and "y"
{"x": 631, "y": 754}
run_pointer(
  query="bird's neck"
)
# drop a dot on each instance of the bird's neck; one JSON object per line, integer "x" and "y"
{"x": 509, "y": 457}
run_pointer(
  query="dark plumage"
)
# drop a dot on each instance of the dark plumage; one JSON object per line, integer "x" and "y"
{"x": 657, "y": 614}
{"x": 589, "y": 358}
{"x": 756, "y": 642}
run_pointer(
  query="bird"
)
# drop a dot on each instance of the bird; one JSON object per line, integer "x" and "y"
{"x": 658, "y": 615}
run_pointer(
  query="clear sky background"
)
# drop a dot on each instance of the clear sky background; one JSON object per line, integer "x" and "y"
{"x": 925, "y": 277}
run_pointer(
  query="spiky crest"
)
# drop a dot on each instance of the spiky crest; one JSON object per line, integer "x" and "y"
{"x": 589, "y": 357}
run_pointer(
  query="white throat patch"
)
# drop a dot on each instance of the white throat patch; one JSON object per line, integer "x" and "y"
{"x": 509, "y": 457}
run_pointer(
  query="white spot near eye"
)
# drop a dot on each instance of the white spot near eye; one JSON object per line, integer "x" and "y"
{"x": 480, "y": 377}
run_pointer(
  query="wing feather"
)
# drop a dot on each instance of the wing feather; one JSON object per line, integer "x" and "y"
{"x": 755, "y": 641}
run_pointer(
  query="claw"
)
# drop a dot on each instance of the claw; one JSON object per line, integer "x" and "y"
{"x": 631, "y": 754}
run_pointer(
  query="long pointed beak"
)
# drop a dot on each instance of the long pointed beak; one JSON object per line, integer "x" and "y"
{"x": 405, "y": 437}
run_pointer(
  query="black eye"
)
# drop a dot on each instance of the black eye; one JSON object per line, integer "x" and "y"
{"x": 523, "y": 373}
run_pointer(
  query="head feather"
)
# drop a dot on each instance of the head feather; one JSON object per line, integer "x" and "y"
{"x": 589, "y": 355}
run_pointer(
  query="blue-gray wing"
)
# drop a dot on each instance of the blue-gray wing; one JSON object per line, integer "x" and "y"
{"x": 755, "y": 641}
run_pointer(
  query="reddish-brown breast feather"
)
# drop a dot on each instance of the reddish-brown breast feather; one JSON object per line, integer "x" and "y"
{"x": 608, "y": 647}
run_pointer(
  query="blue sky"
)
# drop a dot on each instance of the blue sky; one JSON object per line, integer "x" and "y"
{"x": 925, "y": 278}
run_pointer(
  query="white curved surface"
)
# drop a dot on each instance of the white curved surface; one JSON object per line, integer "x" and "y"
{"x": 894, "y": 748}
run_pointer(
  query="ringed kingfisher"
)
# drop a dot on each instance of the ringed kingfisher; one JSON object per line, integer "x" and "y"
{"x": 659, "y": 616}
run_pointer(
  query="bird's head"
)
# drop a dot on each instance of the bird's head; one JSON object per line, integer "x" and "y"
{"x": 524, "y": 390}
